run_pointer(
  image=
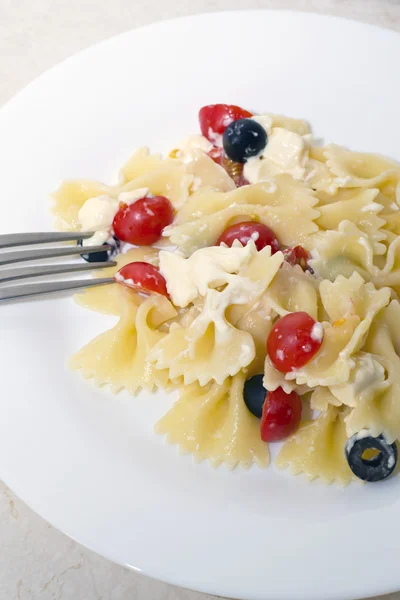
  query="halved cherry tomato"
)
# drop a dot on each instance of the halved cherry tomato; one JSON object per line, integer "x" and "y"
{"x": 215, "y": 118}
{"x": 249, "y": 230}
{"x": 142, "y": 222}
{"x": 280, "y": 416}
{"x": 293, "y": 341}
{"x": 297, "y": 255}
{"x": 142, "y": 277}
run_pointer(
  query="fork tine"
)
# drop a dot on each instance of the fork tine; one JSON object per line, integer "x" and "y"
{"x": 22, "y": 255}
{"x": 35, "y": 289}
{"x": 40, "y": 271}
{"x": 24, "y": 239}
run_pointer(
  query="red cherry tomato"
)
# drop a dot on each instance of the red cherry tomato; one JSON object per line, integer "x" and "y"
{"x": 280, "y": 416}
{"x": 142, "y": 277}
{"x": 293, "y": 341}
{"x": 297, "y": 255}
{"x": 249, "y": 230}
{"x": 215, "y": 118}
{"x": 141, "y": 223}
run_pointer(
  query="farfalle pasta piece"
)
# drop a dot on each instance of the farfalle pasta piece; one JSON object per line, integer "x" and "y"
{"x": 319, "y": 178}
{"x": 362, "y": 209}
{"x": 329, "y": 366}
{"x": 390, "y": 273}
{"x": 392, "y": 225}
{"x": 212, "y": 347}
{"x": 293, "y": 290}
{"x": 346, "y": 297}
{"x": 359, "y": 169}
{"x": 170, "y": 179}
{"x": 71, "y": 196}
{"x": 258, "y": 323}
{"x": 317, "y": 449}
{"x": 213, "y": 422}
{"x": 202, "y": 354}
{"x": 202, "y": 169}
{"x": 280, "y": 191}
{"x": 342, "y": 251}
{"x": 207, "y": 173}
{"x": 118, "y": 357}
{"x": 322, "y": 398}
{"x": 109, "y": 299}
{"x": 140, "y": 163}
{"x": 367, "y": 375}
{"x": 292, "y": 226}
{"x": 379, "y": 410}
{"x": 389, "y": 201}
{"x": 352, "y": 305}
{"x": 299, "y": 126}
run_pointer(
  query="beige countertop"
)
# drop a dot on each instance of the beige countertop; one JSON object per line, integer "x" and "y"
{"x": 37, "y": 561}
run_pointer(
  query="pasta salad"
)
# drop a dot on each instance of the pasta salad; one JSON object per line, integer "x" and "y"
{"x": 258, "y": 274}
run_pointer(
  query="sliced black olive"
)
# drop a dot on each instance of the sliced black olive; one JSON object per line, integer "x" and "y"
{"x": 254, "y": 394}
{"x": 243, "y": 139}
{"x": 103, "y": 256}
{"x": 376, "y": 468}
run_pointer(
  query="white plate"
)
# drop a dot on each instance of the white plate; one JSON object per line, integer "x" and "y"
{"x": 88, "y": 462}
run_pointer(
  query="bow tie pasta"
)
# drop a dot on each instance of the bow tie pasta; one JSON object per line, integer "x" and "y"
{"x": 258, "y": 274}
{"x": 212, "y": 348}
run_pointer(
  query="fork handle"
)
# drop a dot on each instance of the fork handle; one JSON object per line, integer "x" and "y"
{"x": 36, "y": 289}
{"x": 9, "y": 240}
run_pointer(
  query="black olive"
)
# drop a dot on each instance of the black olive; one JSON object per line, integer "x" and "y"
{"x": 254, "y": 394}
{"x": 370, "y": 469}
{"x": 103, "y": 256}
{"x": 243, "y": 139}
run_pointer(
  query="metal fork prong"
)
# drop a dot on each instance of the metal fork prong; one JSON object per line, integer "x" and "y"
{"x": 9, "y": 240}
{"x": 22, "y": 255}
{"x": 43, "y": 270}
{"x": 36, "y": 289}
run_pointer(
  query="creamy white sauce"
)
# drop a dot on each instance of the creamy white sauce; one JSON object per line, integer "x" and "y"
{"x": 317, "y": 332}
{"x": 206, "y": 268}
{"x": 238, "y": 291}
{"x": 366, "y": 376}
{"x": 97, "y": 214}
{"x": 356, "y": 437}
{"x": 285, "y": 152}
{"x": 129, "y": 282}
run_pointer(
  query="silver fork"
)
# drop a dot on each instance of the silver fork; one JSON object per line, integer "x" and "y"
{"x": 13, "y": 240}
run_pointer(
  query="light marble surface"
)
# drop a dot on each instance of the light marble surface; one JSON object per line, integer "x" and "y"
{"x": 37, "y": 561}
